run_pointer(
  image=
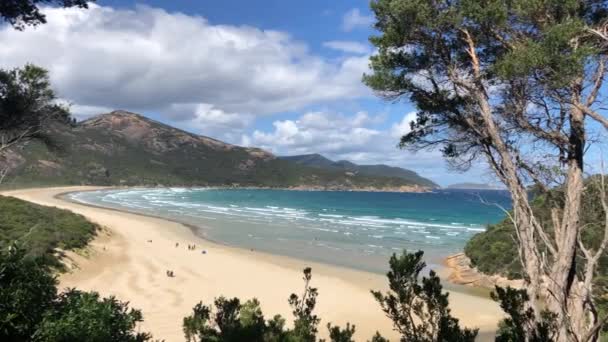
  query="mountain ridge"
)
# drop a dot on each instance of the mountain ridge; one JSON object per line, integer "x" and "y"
{"x": 125, "y": 148}
{"x": 379, "y": 170}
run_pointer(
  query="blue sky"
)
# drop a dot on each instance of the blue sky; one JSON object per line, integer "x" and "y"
{"x": 281, "y": 75}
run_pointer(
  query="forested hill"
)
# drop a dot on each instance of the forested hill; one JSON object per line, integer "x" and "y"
{"x": 123, "y": 148}
{"x": 494, "y": 251}
{"x": 380, "y": 170}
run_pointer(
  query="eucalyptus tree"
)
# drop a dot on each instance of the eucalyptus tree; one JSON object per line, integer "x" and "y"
{"x": 518, "y": 84}
{"x": 28, "y": 107}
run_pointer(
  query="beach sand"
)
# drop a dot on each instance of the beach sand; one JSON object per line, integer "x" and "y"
{"x": 123, "y": 263}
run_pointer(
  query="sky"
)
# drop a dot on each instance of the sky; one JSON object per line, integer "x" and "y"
{"x": 281, "y": 75}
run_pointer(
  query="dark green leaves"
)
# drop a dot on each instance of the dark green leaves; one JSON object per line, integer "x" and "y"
{"x": 31, "y": 309}
{"x": 418, "y": 308}
{"x": 22, "y": 13}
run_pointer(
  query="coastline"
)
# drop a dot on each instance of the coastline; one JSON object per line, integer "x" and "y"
{"x": 123, "y": 263}
{"x": 462, "y": 272}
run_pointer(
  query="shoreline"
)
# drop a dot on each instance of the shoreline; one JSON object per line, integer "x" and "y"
{"x": 413, "y": 189}
{"x": 131, "y": 269}
{"x": 444, "y": 269}
{"x": 462, "y": 272}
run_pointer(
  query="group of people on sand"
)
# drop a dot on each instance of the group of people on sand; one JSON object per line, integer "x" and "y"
{"x": 170, "y": 273}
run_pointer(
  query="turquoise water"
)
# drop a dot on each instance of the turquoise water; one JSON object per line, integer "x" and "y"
{"x": 353, "y": 229}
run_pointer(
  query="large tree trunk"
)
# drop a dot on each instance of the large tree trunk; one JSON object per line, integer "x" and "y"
{"x": 565, "y": 300}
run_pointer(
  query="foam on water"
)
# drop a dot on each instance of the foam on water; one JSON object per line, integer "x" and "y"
{"x": 327, "y": 226}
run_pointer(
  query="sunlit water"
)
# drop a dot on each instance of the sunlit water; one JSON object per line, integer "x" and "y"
{"x": 353, "y": 229}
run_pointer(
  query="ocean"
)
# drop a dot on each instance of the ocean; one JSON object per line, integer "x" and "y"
{"x": 352, "y": 229}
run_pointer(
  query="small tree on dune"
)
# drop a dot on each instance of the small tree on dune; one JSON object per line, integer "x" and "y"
{"x": 418, "y": 308}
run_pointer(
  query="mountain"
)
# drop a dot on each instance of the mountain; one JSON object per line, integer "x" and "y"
{"x": 123, "y": 148}
{"x": 380, "y": 170}
{"x": 474, "y": 186}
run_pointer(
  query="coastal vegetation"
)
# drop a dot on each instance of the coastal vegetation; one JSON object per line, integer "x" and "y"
{"x": 516, "y": 85}
{"x": 45, "y": 232}
{"x": 32, "y": 309}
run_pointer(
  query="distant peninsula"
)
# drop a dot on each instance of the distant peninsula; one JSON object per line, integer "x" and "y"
{"x": 378, "y": 170}
{"x": 474, "y": 186}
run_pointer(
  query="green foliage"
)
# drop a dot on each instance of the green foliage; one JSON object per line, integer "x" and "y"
{"x": 85, "y": 316}
{"x": 378, "y": 338}
{"x": 27, "y": 292}
{"x": 520, "y": 318}
{"x": 336, "y": 334}
{"x": 419, "y": 311}
{"x": 32, "y": 310}
{"x": 305, "y": 324}
{"x": 22, "y": 13}
{"x": 229, "y": 320}
{"x": 42, "y": 230}
{"x": 495, "y": 251}
{"x": 27, "y": 104}
{"x": 528, "y": 57}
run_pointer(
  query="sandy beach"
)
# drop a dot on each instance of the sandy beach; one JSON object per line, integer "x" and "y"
{"x": 123, "y": 263}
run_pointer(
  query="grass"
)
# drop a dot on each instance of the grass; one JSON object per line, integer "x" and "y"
{"x": 43, "y": 230}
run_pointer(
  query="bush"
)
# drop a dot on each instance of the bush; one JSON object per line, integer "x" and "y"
{"x": 32, "y": 310}
{"x": 41, "y": 230}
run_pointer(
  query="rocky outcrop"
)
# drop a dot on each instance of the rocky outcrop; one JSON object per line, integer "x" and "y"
{"x": 463, "y": 273}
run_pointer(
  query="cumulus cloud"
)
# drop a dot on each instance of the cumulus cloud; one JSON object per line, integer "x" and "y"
{"x": 84, "y": 112}
{"x": 347, "y": 46}
{"x": 318, "y": 132}
{"x": 359, "y": 137}
{"x": 354, "y": 19}
{"x": 149, "y": 59}
{"x": 206, "y": 119}
{"x": 403, "y": 127}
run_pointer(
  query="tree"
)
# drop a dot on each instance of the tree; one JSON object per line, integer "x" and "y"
{"x": 85, "y": 316}
{"x": 306, "y": 322}
{"x": 229, "y": 320}
{"x": 336, "y": 334}
{"x": 517, "y": 84}
{"x": 521, "y": 323}
{"x": 419, "y": 311}
{"x": 27, "y": 107}
{"x": 27, "y": 291}
{"x": 32, "y": 310}
{"x": 22, "y": 13}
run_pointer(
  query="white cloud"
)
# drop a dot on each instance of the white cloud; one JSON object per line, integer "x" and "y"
{"x": 359, "y": 137}
{"x": 318, "y": 132}
{"x": 403, "y": 127}
{"x": 347, "y": 46}
{"x": 84, "y": 112}
{"x": 149, "y": 59}
{"x": 354, "y": 19}
{"x": 208, "y": 120}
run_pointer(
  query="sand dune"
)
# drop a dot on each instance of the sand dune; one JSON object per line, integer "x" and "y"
{"x": 123, "y": 263}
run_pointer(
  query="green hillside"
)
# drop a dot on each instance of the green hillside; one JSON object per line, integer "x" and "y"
{"x": 122, "y": 148}
{"x": 379, "y": 170}
{"x": 42, "y": 230}
{"x": 494, "y": 251}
